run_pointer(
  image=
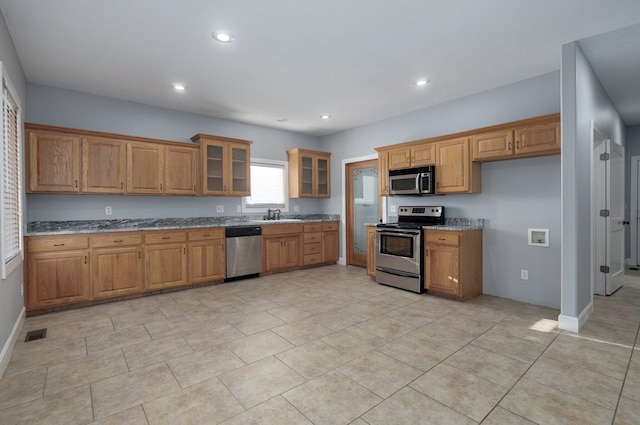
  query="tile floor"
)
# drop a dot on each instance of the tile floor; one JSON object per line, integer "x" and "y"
{"x": 325, "y": 346}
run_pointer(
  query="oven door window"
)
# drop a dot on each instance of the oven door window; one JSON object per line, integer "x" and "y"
{"x": 397, "y": 245}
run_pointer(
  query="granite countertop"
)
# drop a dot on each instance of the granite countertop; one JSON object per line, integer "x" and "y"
{"x": 453, "y": 224}
{"x": 44, "y": 228}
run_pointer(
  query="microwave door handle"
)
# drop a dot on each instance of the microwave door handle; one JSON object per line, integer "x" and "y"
{"x": 419, "y": 182}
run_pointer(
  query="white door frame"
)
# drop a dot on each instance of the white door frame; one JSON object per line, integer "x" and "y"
{"x": 633, "y": 213}
{"x": 343, "y": 215}
{"x": 598, "y": 194}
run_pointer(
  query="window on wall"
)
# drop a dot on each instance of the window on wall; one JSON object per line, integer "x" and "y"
{"x": 10, "y": 188}
{"x": 268, "y": 186}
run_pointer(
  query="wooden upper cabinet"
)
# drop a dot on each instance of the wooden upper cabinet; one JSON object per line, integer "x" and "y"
{"x": 383, "y": 173}
{"x": 455, "y": 173}
{"x": 412, "y": 156}
{"x": 539, "y": 139}
{"x": 309, "y": 173}
{"x": 104, "y": 165}
{"x": 181, "y": 170}
{"x": 145, "y": 168}
{"x": 226, "y": 165}
{"x": 534, "y": 137}
{"x": 493, "y": 146}
{"x": 399, "y": 158}
{"x": 54, "y": 162}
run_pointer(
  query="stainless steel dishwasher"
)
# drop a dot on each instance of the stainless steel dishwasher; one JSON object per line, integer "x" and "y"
{"x": 244, "y": 252}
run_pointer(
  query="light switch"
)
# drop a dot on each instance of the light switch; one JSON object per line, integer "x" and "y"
{"x": 219, "y": 208}
{"x": 107, "y": 210}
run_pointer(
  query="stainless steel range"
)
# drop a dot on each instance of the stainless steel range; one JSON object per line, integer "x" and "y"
{"x": 400, "y": 247}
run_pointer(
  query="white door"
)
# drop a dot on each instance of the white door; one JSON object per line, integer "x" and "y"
{"x": 634, "y": 212}
{"x": 609, "y": 215}
{"x": 616, "y": 217}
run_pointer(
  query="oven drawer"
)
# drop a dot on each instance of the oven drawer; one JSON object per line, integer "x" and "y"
{"x": 442, "y": 238}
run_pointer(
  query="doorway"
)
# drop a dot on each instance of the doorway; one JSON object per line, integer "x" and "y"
{"x": 608, "y": 215}
{"x": 362, "y": 206}
{"x": 634, "y": 213}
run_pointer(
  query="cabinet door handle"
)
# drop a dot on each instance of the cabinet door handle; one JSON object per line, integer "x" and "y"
{"x": 509, "y": 146}
{"x": 166, "y": 237}
{"x": 206, "y": 235}
{"x": 58, "y": 244}
{"x": 118, "y": 241}
{"x": 121, "y": 185}
{"x": 76, "y": 183}
{"x": 413, "y": 159}
{"x": 139, "y": 256}
{"x": 426, "y": 252}
{"x": 408, "y": 160}
{"x": 517, "y": 144}
{"x": 442, "y": 239}
{"x": 160, "y": 186}
{"x": 184, "y": 250}
{"x": 85, "y": 259}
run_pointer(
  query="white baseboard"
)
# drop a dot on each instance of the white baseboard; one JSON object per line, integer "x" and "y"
{"x": 7, "y": 350}
{"x": 574, "y": 324}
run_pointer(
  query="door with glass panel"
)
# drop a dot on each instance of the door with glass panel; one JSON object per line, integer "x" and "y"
{"x": 362, "y": 207}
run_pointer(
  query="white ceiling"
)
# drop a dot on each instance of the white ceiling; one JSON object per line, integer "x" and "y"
{"x": 297, "y": 59}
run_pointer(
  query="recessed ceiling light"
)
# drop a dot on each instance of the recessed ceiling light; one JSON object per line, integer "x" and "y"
{"x": 222, "y": 36}
{"x": 325, "y": 116}
{"x": 422, "y": 82}
{"x": 179, "y": 87}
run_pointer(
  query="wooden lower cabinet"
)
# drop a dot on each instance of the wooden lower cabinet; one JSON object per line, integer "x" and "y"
{"x": 116, "y": 265}
{"x": 453, "y": 263}
{"x": 281, "y": 253}
{"x": 330, "y": 243}
{"x": 116, "y": 271}
{"x": 66, "y": 270}
{"x": 207, "y": 260}
{"x": 371, "y": 251}
{"x": 166, "y": 260}
{"x": 57, "y": 278}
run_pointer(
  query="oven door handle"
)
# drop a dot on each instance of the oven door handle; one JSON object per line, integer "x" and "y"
{"x": 386, "y": 232}
{"x": 396, "y": 272}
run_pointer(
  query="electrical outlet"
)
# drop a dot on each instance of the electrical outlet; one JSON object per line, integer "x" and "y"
{"x": 524, "y": 274}
{"x": 394, "y": 209}
{"x": 107, "y": 210}
{"x": 219, "y": 208}
{"x": 296, "y": 208}
{"x": 239, "y": 208}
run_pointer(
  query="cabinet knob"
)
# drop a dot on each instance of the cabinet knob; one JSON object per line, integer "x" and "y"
{"x": 509, "y": 146}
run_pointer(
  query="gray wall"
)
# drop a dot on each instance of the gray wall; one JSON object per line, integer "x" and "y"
{"x": 516, "y": 195}
{"x": 11, "y": 301}
{"x": 54, "y": 106}
{"x": 583, "y": 100}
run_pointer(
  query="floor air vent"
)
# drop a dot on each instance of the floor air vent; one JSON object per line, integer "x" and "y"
{"x": 35, "y": 335}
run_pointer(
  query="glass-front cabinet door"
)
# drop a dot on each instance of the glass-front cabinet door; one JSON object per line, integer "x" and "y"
{"x": 307, "y": 170}
{"x": 214, "y": 170}
{"x": 309, "y": 173}
{"x": 322, "y": 186}
{"x": 240, "y": 166}
{"x": 226, "y": 165}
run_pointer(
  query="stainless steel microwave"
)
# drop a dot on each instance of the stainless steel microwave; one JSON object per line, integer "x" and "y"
{"x": 412, "y": 181}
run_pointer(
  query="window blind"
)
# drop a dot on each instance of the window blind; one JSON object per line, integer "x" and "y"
{"x": 267, "y": 186}
{"x": 10, "y": 189}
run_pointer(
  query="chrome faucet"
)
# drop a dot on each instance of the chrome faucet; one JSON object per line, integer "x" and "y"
{"x": 275, "y": 216}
